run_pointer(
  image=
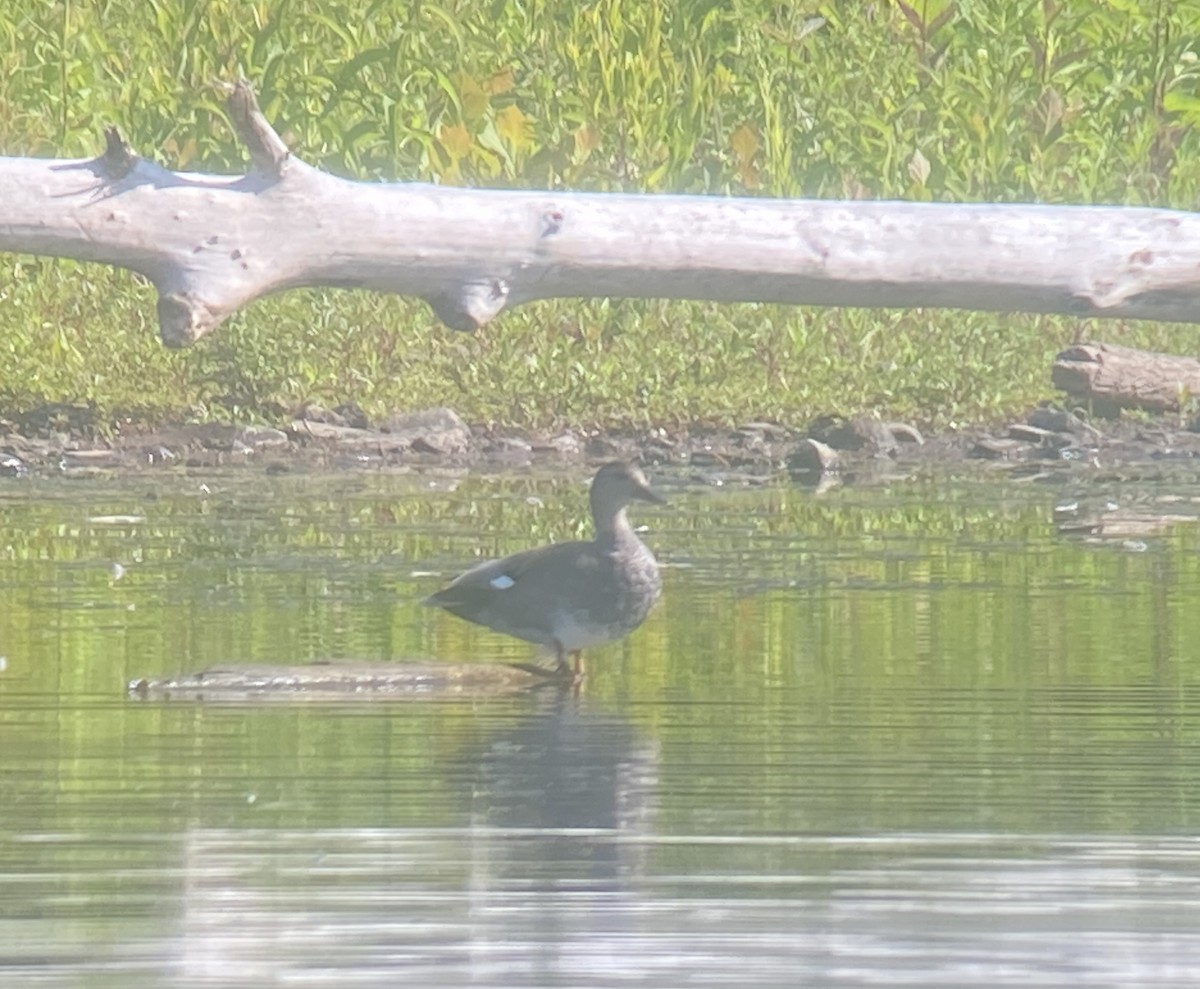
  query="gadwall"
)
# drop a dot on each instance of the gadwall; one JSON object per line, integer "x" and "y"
{"x": 569, "y": 596}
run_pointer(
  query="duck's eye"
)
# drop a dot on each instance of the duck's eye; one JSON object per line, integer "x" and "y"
{"x": 502, "y": 582}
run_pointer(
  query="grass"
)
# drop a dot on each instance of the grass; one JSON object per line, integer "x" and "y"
{"x": 1096, "y": 101}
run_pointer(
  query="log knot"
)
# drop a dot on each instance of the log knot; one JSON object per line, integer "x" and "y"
{"x": 118, "y": 159}
{"x": 183, "y": 319}
{"x": 474, "y": 304}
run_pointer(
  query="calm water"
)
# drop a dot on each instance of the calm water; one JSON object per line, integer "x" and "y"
{"x": 904, "y": 736}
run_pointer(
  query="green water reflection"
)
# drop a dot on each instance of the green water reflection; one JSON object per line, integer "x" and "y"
{"x": 919, "y": 658}
{"x": 874, "y": 719}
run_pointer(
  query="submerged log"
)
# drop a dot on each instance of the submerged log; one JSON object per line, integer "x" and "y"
{"x": 211, "y": 244}
{"x": 345, "y": 681}
{"x": 1114, "y": 377}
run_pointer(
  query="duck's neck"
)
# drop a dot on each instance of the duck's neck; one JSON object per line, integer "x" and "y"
{"x": 613, "y": 527}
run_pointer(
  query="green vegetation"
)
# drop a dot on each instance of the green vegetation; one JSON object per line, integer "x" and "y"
{"x": 1093, "y": 101}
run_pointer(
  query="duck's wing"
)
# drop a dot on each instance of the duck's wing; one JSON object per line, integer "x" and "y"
{"x": 536, "y": 575}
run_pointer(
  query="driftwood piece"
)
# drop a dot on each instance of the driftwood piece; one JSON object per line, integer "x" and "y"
{"x": 345, "y": 681}
{"x": 1121, "y": 525}
{"x": 211, "y": 244}
{"x": 1115, "y": 377}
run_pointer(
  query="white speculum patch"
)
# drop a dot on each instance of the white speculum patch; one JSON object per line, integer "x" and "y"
{"x": 502, "y": 582}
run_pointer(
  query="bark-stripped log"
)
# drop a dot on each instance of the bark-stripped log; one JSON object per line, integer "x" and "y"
{"x": 348, "y": 681}
{"x": 211, "y": 244}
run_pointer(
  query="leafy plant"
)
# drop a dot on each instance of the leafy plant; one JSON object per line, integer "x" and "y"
{"x": 1093, "y": 101}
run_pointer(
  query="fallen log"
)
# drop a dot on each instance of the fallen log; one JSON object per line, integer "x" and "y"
{"x": 1113, "y": 377}
{"x": 345, "y": 681}
{"x": 1122, "y": 525}
{"x": 211, "y": 244}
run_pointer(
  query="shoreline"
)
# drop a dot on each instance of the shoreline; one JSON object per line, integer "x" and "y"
{"x": 1047, "y": 439}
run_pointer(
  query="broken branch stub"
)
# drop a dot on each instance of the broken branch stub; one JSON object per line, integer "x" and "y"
{"x": 211, "y": 244}
{"x": 267, "y": 150}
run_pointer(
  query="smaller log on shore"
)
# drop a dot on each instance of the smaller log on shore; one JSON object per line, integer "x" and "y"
{"x": 1114, "y": 377}
{"x": 342, "y": 682}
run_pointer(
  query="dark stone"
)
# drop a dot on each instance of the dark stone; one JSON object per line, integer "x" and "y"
{"x": 438, "y": 430}
{"x": 353, "y": 415}
{"x": 1036, "y": 434}
{"x": 509, "y": 446}
{"x": 304, "y": 429}
{"x": 864, "y": 433}
{"x": 603, "y": 446}
{"x": 708, "y": 457}
{"x": 261, "y": 438}
{"x": 57, "y": 417}
{"x": 764, "y": 432}
{"x": 312, "y": 412}
{"x": 996, "y": 449}
{"x": 1060, "y": 421}
{"x": 813, "y": 457}
{"x": 835, "y": 431}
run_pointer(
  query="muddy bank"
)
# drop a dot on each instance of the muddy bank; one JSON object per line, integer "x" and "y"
{"x": 1046, "y": 443}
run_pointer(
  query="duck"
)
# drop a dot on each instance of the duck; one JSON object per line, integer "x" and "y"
{"x": 569, "y": 596}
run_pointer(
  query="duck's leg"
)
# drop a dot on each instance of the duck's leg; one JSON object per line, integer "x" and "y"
{"x": 563, "y": 669}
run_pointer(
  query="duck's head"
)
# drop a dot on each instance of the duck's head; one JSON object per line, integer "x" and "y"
{"x": 616, "y": 485}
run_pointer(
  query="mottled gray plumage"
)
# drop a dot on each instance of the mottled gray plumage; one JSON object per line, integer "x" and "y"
{"x": 569, "y": 596}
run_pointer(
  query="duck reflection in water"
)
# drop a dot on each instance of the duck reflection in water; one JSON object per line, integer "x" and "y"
{"x": 556, "y": 800}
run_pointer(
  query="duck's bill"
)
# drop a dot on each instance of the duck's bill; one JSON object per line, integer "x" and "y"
{"x": 647, "y": 495}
